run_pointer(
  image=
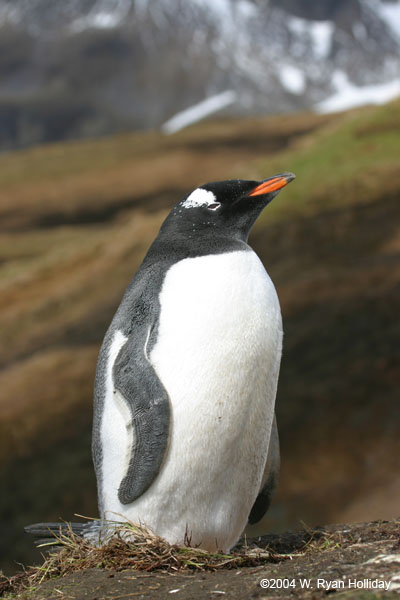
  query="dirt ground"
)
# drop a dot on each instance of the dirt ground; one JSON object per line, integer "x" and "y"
{"x": 353, "y": 561}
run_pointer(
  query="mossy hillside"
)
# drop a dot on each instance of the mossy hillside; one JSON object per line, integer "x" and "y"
{"x": 352, "y": 160}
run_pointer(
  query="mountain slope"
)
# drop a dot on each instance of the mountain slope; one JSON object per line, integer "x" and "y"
{"x": 76, "y": 69}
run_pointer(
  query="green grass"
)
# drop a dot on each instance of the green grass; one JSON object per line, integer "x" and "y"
{"x": 352, "y": 160}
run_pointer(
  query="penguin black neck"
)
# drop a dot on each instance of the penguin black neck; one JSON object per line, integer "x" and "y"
{"x": 200, "y": 224}
{"x": 181, "y": 237}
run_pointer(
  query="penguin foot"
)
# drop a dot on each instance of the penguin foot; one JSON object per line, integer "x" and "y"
{"x": 50, "y": 533}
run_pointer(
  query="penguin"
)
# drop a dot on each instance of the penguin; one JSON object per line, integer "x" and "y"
{"x": 185, "y": 439}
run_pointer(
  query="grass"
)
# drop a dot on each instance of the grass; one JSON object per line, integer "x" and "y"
{"x": 350, "y": 160}
{"x": 131, "y": 547}
{"x": 137, "y": 548}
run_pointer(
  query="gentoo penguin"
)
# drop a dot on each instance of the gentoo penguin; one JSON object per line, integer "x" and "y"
{"x": 184, "y": 438}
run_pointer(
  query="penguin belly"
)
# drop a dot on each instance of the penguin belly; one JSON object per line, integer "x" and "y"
{"x": 217, "y": 354}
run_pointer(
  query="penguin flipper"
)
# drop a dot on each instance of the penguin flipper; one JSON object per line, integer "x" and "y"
{"x": 270, "y": 478}
{"x": 148, "y": 401}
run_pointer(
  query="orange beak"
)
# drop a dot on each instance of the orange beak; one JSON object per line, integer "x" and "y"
{"x": 273, "y": 184}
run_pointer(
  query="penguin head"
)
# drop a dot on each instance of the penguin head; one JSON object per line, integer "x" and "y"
{"x": 229, "y": 206}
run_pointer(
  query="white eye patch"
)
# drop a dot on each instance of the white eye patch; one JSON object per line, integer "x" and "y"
{"x": 201, "y": 197}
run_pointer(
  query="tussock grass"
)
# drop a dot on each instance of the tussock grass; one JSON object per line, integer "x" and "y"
{"x": 131, "y": 547}
{"x": 137, "y": 548}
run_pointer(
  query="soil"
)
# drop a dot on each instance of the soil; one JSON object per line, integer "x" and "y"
{"x": 353, "y": 561}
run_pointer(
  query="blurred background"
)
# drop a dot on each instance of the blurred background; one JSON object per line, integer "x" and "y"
{"x": 94, "y": 97}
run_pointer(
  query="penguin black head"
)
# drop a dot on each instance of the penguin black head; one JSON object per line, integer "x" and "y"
{"x": 228, "y": 206}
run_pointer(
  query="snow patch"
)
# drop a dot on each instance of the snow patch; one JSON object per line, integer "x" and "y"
{"x": 221, "y": 7}
{"x": 246, "y": 9}
{"x": 349, "y": 95}
{"x": 320, "y": 33}
{"x": 103, "y": 15}
{"x": 390, "y": 13}
{"x": 297, "y": 25}
{"x": 292, "y": 79}
{"x": 199, "y": 111}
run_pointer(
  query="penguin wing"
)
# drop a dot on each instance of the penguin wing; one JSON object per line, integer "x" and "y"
{"x": 270, "y": 478}
{"x": 141, "y": 389}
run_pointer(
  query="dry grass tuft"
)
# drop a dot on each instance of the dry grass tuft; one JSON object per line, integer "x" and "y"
{"x": 131, "y": 547}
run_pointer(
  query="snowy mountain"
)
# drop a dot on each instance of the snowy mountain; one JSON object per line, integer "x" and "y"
{"x": 73, "y": 68}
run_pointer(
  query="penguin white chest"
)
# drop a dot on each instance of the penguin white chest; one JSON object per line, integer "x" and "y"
{"x": 217, "y": 353}
{"x": 219, "y": 327}
{"x": 218, "y": 313}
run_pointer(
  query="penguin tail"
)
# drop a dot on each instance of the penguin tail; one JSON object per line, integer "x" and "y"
{"x": 51, "y": 534}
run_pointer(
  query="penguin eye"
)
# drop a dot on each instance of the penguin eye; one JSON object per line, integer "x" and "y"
{"x": 214, "y": 206}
